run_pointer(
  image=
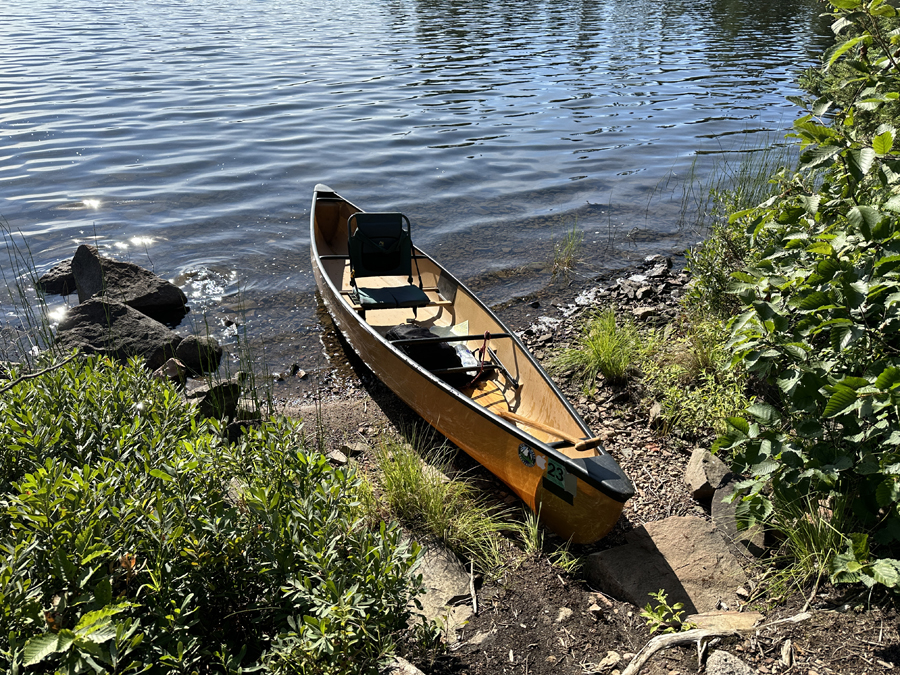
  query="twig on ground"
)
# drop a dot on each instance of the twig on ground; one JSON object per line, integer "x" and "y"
{"x": 661, "y": 642}
{"x": 472, "y": 586}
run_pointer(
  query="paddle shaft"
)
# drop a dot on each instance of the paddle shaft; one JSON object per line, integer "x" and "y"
{"x": 580, "y": 444}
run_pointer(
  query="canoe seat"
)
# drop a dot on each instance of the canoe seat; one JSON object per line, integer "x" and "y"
{"x": 379, "y": 246}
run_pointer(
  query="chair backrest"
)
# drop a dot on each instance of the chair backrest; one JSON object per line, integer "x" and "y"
{"x": 380, "y": 246}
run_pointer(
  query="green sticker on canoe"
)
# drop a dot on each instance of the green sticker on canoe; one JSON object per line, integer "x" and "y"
{"x": 557, "y": 474}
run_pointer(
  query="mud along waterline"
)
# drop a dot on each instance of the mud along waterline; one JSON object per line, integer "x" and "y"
{"x": 185, "y": 136}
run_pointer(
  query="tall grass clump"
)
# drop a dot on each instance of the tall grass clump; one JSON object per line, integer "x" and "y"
{"x": 136, "y": 537}
{"x": 567, "y": 252}
{"x": 731, "y": 188}
{"x": 417, "y": 490}
{"x": 606, "y": 346}
{"x": 24, "y": 324}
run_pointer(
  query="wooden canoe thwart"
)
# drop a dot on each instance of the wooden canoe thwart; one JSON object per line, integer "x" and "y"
{"x": 442, "y": 351}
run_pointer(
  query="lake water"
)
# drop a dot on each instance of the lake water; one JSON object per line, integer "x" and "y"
{"x": 187, "y": 136}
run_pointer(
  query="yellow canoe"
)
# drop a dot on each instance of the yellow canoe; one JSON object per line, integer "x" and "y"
{"x": 512, "y": 418}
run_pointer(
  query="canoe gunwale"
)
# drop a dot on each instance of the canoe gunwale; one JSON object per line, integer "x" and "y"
{"x": 579, "y": 467}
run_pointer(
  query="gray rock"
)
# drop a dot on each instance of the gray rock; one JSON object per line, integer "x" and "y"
{"x": 400, "y": 666}
{"x": 353, "y": 449}
{"x": 750, "y": 541}
{"x": 199, "y": 354}
{"x": 705, "y": 474}
{"x": 216, "y": 400}
{"x": 126, "y": 283}
{"x": 446, "y": 584}
{"x": 59, "y": 279}
{"x": 683, "y": 555}
{"x": 723, "y": 663}
{"x": 172, "y": 370}
{"x": 111, "y": 328}
{"x": 337, "y": 457}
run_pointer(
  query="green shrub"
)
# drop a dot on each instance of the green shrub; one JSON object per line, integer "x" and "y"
{"x": 687, "y": 369}
{"x": 604, "y": 347}
{"x": 136, "y": 538}
{"x": 822, "y": 324}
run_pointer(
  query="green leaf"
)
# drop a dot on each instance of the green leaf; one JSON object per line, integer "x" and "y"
{"x": 162, "y": 475}
{"x": 844, "y": 47}
{"x": 889, "y": 378}
{"x": 40, "y": 647}
{"x": 103, "y": 592}
{"x": 739, "y": 423}
{"x": 887, "y": 492}
{"x": 815, "y": 300}
{"x": 819, "y": 155}
{"x": 863, "y": 158}
{"x": 864, "y": 218}
{"x": 840, "y": 400}
{"x": 765, "y": 413}
{"x": 883, "y": 143}
{"x": 885, "y": 572}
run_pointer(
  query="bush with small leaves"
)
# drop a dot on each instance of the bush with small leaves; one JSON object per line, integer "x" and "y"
{"x": 137, "y": 539}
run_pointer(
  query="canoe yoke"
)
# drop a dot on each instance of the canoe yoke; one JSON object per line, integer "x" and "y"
{"x": 381, "y": 247}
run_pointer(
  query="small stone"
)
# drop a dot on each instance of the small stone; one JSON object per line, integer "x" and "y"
{"x": 705, "y": 473}
{"x": 534, "y": 305}
{"x": 545, "y": 338}
{"x": 337, "y": 457}
{"x": 723, "y": 663}
{"x": 564, "y": 615}
{"x": 302, "y": 374}
{"x": 173, "y": 369}
{"x": 609, "y": 661}
{"x": 353, "y": 449}
{"x": 643, "y": 313}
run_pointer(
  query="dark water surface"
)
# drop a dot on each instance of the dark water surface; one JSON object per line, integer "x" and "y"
{"x": 187, "y": 136}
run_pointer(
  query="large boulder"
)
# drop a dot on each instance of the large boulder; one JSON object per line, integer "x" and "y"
{"x": 682, "y": 555}
{"x": 111, "y": 328}
{"x": 126, "y": 283}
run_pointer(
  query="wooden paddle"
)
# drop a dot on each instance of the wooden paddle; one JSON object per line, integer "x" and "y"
{"x": 580, "y": 444}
